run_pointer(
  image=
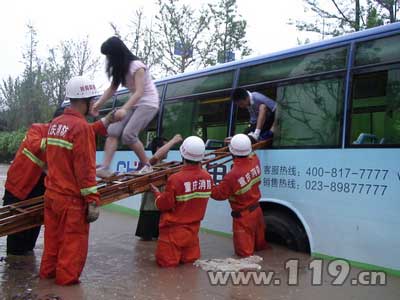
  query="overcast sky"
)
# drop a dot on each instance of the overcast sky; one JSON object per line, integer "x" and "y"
{"x": 54, "y": 21}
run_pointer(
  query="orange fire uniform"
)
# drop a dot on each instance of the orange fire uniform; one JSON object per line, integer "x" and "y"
{"x": 70, "y": 185}
{"x": 25, "y": 179}
{"x": 241, "y": 186}
{"x": 99, "y": 128}
{"x": 27, "y": 167}
{"x": 182, "y": 205}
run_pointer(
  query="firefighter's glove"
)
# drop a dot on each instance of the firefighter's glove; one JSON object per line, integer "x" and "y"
{"x": 253, "y": 137}
{"x": 93, "y": 212}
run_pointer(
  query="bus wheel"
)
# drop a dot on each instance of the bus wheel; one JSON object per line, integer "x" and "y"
{"x": 283, "y": 229}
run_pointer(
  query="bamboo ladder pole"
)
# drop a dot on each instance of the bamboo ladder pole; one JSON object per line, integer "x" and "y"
{"x": 29, "y": 213}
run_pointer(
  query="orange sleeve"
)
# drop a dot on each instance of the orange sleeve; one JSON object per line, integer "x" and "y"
{"x": 223, "y": 190}
{"x": 34, "y": 140}
{"x": 166, "y": 200}
{"x": 34, "y": 145}
{"x": 99, "y": 128}
{"x": 84, "y": 162}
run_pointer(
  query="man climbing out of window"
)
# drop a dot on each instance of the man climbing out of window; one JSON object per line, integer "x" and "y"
{"x": 262, "y": 113}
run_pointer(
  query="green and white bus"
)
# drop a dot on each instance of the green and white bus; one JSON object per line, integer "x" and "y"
{"x": 331, "y": 180}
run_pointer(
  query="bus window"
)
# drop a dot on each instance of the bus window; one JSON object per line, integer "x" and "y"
{"x": 378, "y": 51}
{"x": 242, "y": 118}
{"x": 160, "y": 89}
{"x": 121, "y": 99}
{"x": 147, "y": 135}
{"x": 100, "y": 140}
{"x": 108, "y": 105}
{"x": 309, "y": 114}
{"x": 319, "y": 62}
{"x": 375, "y": 117}
{"x": 199, "y": 85}
{"x": 206, "y": 117}
{"x": 150, "y": 132}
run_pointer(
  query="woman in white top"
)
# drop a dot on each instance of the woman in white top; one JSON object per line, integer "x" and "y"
{"x": 127, "y": 70}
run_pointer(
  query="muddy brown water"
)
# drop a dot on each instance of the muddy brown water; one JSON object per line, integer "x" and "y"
{"x": 119, "y": 266}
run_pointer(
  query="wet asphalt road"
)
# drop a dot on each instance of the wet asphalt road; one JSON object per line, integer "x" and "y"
{"x": 119, "y": 266}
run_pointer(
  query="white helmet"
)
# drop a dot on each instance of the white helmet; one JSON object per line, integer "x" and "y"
{"x": 192, "y": 148}
{"x": 240, "y": 145}
{"x": 80, "y": 87}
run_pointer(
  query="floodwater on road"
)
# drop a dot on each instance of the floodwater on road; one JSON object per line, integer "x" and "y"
{"x": 119, "y": 266}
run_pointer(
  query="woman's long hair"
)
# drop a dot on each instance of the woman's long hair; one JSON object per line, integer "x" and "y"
{"x": 119, "y": 58}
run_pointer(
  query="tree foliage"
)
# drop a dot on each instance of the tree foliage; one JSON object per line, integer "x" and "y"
{"x": 181, "y": 38}
{"x": 69, "y": 58}
{"x": 140, "y": 38}
{"x": 229, "y": 31}
{"x": 34, "y": 95}
{"x": 336, "y": 17}
{"x": 181, "y": 24}
{"x": 201, "y": 34}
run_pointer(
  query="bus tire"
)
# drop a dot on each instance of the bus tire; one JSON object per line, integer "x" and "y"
{"x": 281, "y": 228}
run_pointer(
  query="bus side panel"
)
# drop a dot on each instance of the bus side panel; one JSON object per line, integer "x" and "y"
{"x": 124, "y": 161}
{"x": 217, "y": 217}
{"x": 348, "y": 198}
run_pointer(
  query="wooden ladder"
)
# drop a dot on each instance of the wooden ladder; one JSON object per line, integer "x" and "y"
{"x": 29, "y": 213}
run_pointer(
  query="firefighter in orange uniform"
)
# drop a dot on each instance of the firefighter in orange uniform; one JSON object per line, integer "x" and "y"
{"x": 183, "y": 205}
{"x": 25, "y": 179}
{"x": 241, "y": 187}
{"x": 71, "y": 198}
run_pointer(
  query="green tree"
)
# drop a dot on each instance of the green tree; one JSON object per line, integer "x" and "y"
{"x": 180, "y": 25}
{"x": 391, "y": 9}
{"x": 32, "y": 99}
{"x": 179, "y": 37}
{"x": 141, "y": 38}
{"x": 34, "y": 95}
{"x": 70, "y": 58}
{"x": 9, "y": 100}
{"x": 336, "y": 17}
{"x": 57, "y": 71}
{"x": 83, "y": 61}
{"x": 229, "y": 31}
{"x": 23, "y": 98}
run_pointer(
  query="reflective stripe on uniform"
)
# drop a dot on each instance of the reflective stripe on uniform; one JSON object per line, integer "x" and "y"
{"x": 89, "y": 190}
{"x": 60, "y": 143}
{"x": 232, "y": 199}
{"x": 194, "y": 195}
{"x": 248, "y": 186}
{"x": 155, "y": 202}
{"x": 33, "y": 158}
{"x": 43, "y": 144}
